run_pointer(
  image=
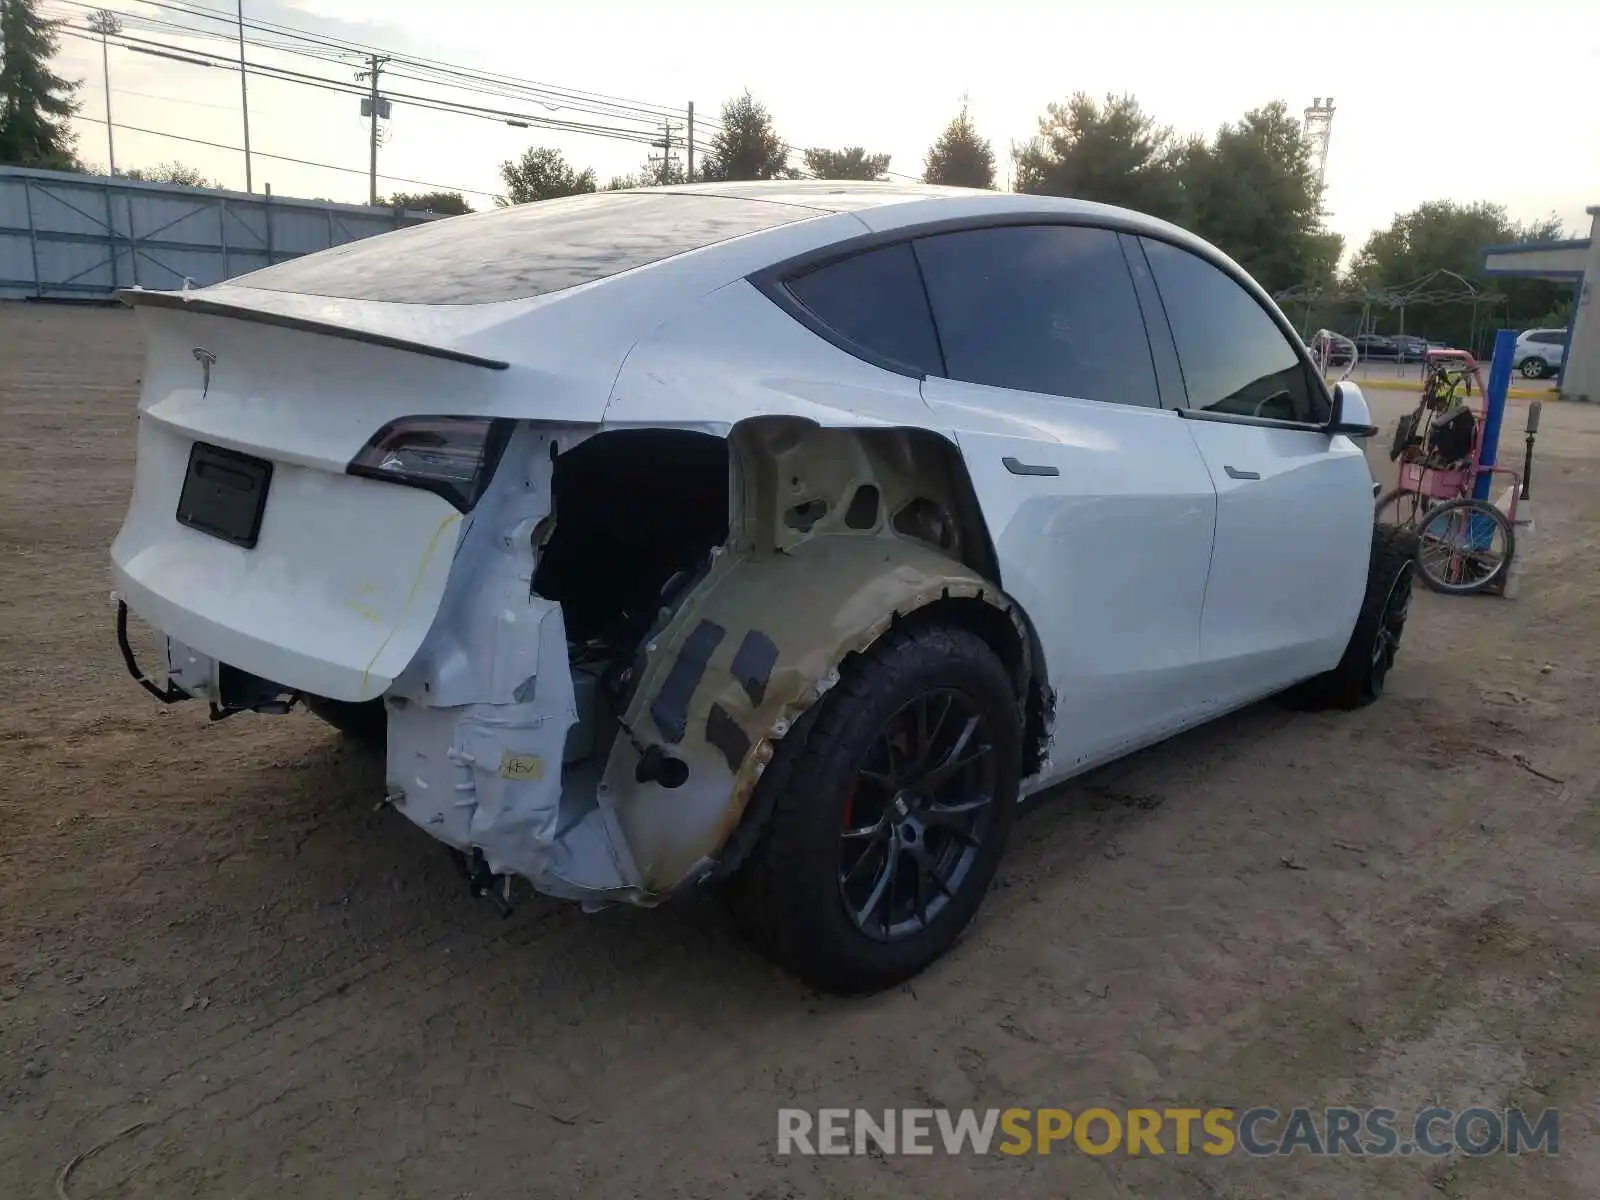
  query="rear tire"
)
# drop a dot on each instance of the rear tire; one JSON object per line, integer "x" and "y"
{"x": 365, "y": 722}
{"x": 1359, "y": 678}
{"x": 1533, "y": 368}
{"x": 851, "y": 818}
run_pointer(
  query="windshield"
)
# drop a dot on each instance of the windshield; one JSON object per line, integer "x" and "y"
{"x": 522, "y": 251}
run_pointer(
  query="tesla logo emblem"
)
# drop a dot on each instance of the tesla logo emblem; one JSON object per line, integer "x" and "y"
{"x": 205, "y": 358}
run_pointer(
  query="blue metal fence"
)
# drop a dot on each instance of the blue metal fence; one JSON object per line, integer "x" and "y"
{"x": 84, "y": 236}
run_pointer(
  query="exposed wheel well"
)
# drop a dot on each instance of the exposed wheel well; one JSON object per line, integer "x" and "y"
{"x": 1018, "y": 649}
{"x": 921, "y": 490}
{"x": 860, "y": 531}
{"x": 633, "y": 508}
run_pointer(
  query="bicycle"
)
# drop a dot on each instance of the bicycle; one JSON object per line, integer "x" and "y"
{"x": 1464, "y": 544}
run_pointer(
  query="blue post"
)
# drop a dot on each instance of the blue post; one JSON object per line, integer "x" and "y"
{"x": 1494, "y": 397}
{"x": 1566, "y": 344}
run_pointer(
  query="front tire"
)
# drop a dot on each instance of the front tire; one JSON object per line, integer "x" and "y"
{"x": 890, "y": 805}
{"x": 1369, "y": 656}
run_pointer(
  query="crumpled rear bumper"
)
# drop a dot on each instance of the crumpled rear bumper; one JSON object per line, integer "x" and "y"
{"x": 489, "y": 778}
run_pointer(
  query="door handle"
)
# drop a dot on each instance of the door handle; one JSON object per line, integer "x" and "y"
{"x": 1017, "y": 467}
{"x": 1235, "y": 473}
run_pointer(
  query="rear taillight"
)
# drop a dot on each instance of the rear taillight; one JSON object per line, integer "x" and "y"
{"x": 454, "y": 457}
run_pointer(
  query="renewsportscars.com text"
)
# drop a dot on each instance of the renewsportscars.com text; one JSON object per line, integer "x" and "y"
{"x": 1258, "y": 1132}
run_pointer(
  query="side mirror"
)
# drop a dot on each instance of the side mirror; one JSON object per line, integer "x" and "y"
{"x": 1351, "y": 416}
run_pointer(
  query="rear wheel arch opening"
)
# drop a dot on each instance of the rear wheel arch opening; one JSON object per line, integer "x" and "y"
{"x": 793, "y": 478}
{"x": 976, "y": 546}
{"x": 917, "y": 480}
{"x": 780, "y": 881}
{"x": 1010, "y": 634}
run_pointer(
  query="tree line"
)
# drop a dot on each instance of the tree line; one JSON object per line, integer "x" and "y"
{"x": 1249, "y": 188}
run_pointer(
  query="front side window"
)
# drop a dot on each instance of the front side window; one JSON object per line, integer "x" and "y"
{"x": 875, "y": 301}
{"x": 1235, "y": 358}
{"x": 1039, "y": 308}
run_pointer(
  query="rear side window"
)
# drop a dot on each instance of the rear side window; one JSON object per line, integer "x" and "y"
{"x": 1047, "y": 308}
{"x": 526, "y": 250}
{"x": 875, "y": 300}
{"x": 1550, "y": 337}
{"x": 1235, "y": 358}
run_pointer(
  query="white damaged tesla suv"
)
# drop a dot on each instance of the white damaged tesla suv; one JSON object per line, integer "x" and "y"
{"x": 788, "y": 533}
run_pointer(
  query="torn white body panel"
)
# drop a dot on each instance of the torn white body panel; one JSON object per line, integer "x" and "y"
{"x": 488, "y": 776}
{"x": 480, "y": 719}
{"x": 485, "y": 748}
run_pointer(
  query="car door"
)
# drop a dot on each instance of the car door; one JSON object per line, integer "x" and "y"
{"x": 1099, "y": 504}
{"x": 1294, "y": 504}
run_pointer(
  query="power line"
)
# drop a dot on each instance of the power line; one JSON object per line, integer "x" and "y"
{"x": 296, "y": 41}
{"x": 148, "y": 24}
{"x": 439, "y": 103}
{"x": 204, "y": 58}
{"x": 570, "y": 97}
{"x": 156, "y": 25}
{"x": 438, "y": 73}
{"x": 177, "y": 100}
{"x": 304, "y": 162}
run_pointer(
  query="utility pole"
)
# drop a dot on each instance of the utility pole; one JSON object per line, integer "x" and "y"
{"x": 374, "y": 106}
{"x": 106, "y": 24}
{"x": 689, "y": 173}
{"x": 665, "y": 146}
{"x": 244, "y": 101}
{"x": 372, "y": 168}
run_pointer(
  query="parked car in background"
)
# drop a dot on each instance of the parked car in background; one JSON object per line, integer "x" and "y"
{"x": 1539, "y": 352}
{"x": 786, "y": 532}
{"x": 1409, "y": 348}
{"x": 1375, "y": 345}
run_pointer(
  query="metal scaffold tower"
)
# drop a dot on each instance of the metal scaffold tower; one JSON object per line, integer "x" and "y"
{"x": 1318, "y": 129}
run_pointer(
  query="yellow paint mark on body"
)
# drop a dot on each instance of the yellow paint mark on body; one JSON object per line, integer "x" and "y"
{"x": 411, "y": 593}
{"x": 521, "y": 766}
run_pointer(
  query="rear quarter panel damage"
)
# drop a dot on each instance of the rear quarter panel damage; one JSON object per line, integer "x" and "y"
{"x": 764, "y": 638}
{"x": 834, "y": 533}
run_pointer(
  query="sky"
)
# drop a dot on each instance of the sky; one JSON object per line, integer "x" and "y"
{"x": 1422, "y": 110}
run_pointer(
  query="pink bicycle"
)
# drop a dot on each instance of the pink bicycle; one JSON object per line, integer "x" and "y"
{"x": 1464, "y": 544}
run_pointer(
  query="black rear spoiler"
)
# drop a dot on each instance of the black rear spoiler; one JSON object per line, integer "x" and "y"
{"x": 189, "y": 302}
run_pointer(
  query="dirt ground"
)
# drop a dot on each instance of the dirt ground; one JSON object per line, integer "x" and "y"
{"x": 209, "y": 935}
